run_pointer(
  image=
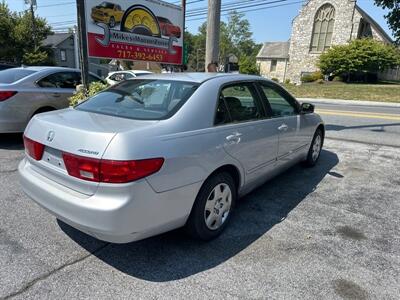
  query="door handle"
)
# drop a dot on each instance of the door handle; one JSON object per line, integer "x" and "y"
{"x": 283, "y": 127}
{"x": 234, "y": 137}
{"x": 56, "y": 95}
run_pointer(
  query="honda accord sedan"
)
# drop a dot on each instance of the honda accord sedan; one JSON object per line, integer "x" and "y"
{"x": 164, "y": 151}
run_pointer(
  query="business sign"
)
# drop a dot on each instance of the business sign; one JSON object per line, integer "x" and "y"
{"x": 148, "y": 30}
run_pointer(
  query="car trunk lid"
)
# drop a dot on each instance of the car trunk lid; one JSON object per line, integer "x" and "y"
{"x": 75, "y": 132}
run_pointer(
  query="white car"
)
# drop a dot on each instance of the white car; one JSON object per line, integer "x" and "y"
{"x": 115, "y": 77}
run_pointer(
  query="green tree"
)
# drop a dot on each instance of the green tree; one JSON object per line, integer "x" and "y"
{"x": 248, "y": 66}
{"x": 18, "y": 41}
{"x": 393, "y": 16}
{"x": 235, "y": 38}
{"x": 360, "y": 56}
{"x": 7, "y": 23}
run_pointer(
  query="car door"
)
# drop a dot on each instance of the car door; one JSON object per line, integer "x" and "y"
{"x": 58, "y": 87}
{"x": 247, "y": 136}
{"x": 284, "y": 109}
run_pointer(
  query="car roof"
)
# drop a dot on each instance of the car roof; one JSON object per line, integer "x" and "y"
{"x": 131, "y": 71}
{"x": 201, "y": 77}
{"x": 41, "y": 68}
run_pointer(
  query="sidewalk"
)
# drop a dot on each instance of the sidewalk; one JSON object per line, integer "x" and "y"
{"x": 350, "y": 102}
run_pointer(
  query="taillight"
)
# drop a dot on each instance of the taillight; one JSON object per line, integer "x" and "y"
{"x": 4, "y": 95}
{"x": 82, "y": 167}
{"x": 110, "y": 171}
{"x": 33, "y": 148}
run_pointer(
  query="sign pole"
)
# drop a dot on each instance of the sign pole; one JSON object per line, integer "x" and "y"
{"x": 183, "y": 32}
{"x": 83, "y": 50}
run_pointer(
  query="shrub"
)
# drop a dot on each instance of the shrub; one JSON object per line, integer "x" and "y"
{"x": 287, "y": 81}
{"x": 307, "y": 78}
{"x": 312, "y": 77}
{"x": 361, "y": 56}
{"x": 337, "y": 79}
{"x": 94, "y": 88}
{"x": 275, "y": 79}
{"x": 318, "y": 75}
{"x": 320, "y": 81}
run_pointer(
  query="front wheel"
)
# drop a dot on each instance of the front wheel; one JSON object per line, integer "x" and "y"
{"x": 315, "y": 148}
{"x": 213, "y": 207}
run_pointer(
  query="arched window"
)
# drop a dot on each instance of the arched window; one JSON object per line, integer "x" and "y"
{"x": 323, "y": 28}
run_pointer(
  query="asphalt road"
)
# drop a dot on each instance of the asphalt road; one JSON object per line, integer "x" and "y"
{"x": 329, "y": 232}
{"x": 369, "y": 124}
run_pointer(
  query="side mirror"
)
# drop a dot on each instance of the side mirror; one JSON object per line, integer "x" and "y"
{"x": 307, "y": 108}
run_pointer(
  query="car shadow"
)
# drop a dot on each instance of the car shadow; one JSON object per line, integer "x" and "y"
{"x": 174, "y": 255}
{"x": 379, "y": 127}
{"x": 11, "y": 141}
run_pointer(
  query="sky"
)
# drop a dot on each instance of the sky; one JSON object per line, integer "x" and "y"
{"x": 272, "y": 24}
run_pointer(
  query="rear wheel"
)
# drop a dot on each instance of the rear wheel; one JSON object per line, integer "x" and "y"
{"x": 315, "y": 148}
{"x": 213, "y": 207}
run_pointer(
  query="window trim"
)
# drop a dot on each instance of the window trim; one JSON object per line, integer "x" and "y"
{"x": 258, "y": 103}
{"x": 282, "y": 92}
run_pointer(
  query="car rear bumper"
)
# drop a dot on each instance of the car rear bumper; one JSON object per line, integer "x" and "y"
{"x": 10, "y": 121}
{"x": 115, "y": 213}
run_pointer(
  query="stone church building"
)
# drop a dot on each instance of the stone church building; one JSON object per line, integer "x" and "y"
{"x": 319, "y": 24}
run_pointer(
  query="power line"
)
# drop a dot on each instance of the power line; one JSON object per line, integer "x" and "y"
{"x": 231, "y": 3}
{"x": 58, "y": 4}
{"x": 238, "y": 6}
{"x": 249, "y": 10}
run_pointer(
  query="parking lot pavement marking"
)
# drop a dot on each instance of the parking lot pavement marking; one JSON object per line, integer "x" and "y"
{"x": 370, "y": 115}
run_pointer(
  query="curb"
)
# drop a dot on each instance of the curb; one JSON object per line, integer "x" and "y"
{"x": 350, "y": 102}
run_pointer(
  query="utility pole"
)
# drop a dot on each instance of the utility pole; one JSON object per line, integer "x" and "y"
{"x": 83, "y": 51}
{"x": 183, "y": 3}
{"x": 213, "y": 24}
{"x": 76, "y": 47}
{"x": 32, "y": 4}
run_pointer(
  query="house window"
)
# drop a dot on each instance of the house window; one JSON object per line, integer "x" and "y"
{"x": 63, "y": 55}
{"x": 323, "y": 28}
{"x": 273, "y": 65}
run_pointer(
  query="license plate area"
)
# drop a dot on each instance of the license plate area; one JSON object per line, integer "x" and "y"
{"x": 53, "y": 157}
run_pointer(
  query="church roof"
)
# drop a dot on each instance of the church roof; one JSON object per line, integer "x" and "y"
{"x": 373, "y": 23}
{"x": 274, "y": 50}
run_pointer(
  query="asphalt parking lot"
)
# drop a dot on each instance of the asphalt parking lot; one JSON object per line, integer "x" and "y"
{"x": 328, "y": 232}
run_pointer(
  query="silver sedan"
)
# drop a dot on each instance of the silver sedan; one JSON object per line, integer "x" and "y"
{"x": 27, "y": 91}
{"x": 159, "y": 152}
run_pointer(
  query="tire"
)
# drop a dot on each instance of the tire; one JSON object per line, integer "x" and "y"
{"x": 315, "y": 149}
{"x": 111, "y": 23}
{"x": 218, "y": 210}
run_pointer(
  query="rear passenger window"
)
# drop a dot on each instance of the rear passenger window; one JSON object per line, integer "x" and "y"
{"x": 237, "y": 103}
{"x": 64, "y": 80}
{"x": 280, "y": 106}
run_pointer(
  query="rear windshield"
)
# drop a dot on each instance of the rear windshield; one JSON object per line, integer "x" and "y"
{"x": 13, "y": 75}
{"x": 141, "y": 99}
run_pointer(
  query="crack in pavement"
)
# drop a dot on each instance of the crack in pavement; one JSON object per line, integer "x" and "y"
{"x": 47, "y": 275}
